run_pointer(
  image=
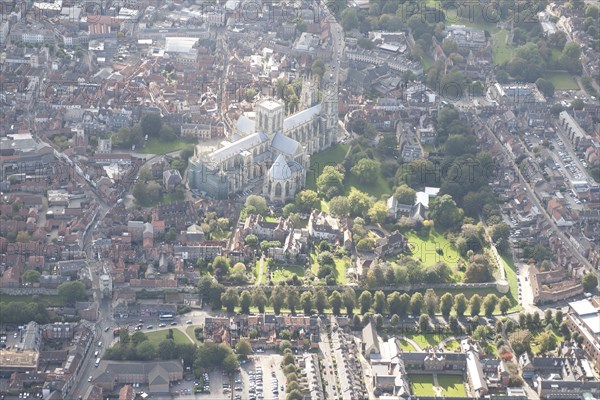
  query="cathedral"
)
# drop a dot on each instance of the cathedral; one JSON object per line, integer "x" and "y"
{"x": 271, "y": 148}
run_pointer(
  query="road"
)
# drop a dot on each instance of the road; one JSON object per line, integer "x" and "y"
{"x": 564, "y": 240}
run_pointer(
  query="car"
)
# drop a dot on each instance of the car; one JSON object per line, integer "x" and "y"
{"x": 173, "y": 323}
{"x": 162, "y": 325}
{"x": 90, "y": 378}
{"x": 149, "y": 327}
{"x": 189, "y": 322}
{"x": 107, "y": 329}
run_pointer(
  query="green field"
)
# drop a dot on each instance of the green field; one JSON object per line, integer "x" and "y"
{"x": 453, "y": 345}
{"x": 422, "y": 385}
{"x": 282, "y": 273}
{"x": 190, "y": 332}
{"x": 332, "y": 156}
{"x": 424, "y": 248}
{"x": 452, "y": 385}
{"x": 157, "y": 146}
{"x": 428, "y": 339}
{"x": 501, "y": 52}
{"x": 158, "y": 336}
{"x": 562, "y": 81}
{"x": 405, "y": 346}
{"x": 511, "y": 277}
{"x": 340, "y": 269}
{"x": 379, "y": 187}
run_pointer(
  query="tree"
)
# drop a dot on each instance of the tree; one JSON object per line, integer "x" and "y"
{"x": 349, "y": 19}
{"x": 475, "y": 304}
{"x": 307, "y": 200}
{"x": 359, "y": 202}
{"x": 292, "y": 299}
{"x": 365, "y": 170}
{"x": 431, "y": 302}
{"x": 446, "y": 302}
{"x": 245, "y": 302}
{"x": 520, "y": 341}
{"x": 31, "y": 276}
{"x": 547, "y": 341}
{"x": 72, "y": 292}
{"x": 394, "y": 320}
{"x": 444, "y": 212}
{"x": 330, "y": 182}
{"x": 146, "y": 351}
{"x": 570, "y": 58}
{"x": 545, "y": 86}
{"x": 548, "y": 316}
{"x": 424, "y": 323}
{"x": 259, "y": 203}
{"x": 378, "y": 213}
{"x": 278, "y": 297}
{"x": 349, "y": 298}
{"x": 460, "y": 304}
{"x": 318, "y": 68}
{"x": 339, "y": 206}
{"x": 220, "y": 266}
{"x": 478, "y": 269}
{"x": 243, "y": 348}
{"x": 230, "y": 299}
{"x": 504, "y": 305}
{"x": 379, "y": 302}
{"x": 336, "y": 302}
{"x": 589, "y": 282}
{"x": 416, "y": 303}
{"x": 394, "y": 303}
{"x": 500, "y": 233}
{"x": 230, "y": 363}
{"x": 366, "y": 245}
{"x": 405, "y": 195}
{"x": 365, "y": 300}
{"x": 558, "y": 316}
{"x": 320, "y": 296}
{"x": 151, "y": 124}
{"x": 167, "y": 350}
{"x": 489, "y": 304}
{"x": 404, "y": 304}
{"x": 306, "y": 302}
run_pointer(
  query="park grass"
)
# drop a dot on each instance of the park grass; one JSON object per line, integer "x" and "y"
{"x": 535, "y": 344}
{"x": 271, "y": 218}
{"x": 158, "y": 146}
{"x": 319, "y": 161}
{"x": 283, "y": 273}
{"x": 405, "y": 346}
{"x": 340, "y": 271}
{"x": 377, "y": 188}
{"x": 422, "y": 385}
{"x": 452, "y": 385}
{"x": 190, "y": 332}
{"x": 453, "y": 345}
{"x": 47, "y": 300}
{"x": 501, "y": 52}
{"x": 427, "y": 339}
{"x": 425, "y": 248}
{"x": 158, "y": 336}
{"x": 562, "y": 80}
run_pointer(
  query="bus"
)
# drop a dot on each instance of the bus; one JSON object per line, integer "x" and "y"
{"x": 97, "y": 361}
{"x": 166, "y": 317}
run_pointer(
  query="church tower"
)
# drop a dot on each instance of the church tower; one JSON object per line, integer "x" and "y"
{"x": 269, "y": 117}
{"x": 329, "y": 117}
{"x": 310, "y": 93}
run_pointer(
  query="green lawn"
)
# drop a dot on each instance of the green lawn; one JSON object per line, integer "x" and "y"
{"x": 256, "y": 270}
{"x": 282, "y": 273}
{"x": 501, "y": 52}
{"x": 158, "y": 336}
{"x": 453, "y": 345}
{"x": 157, "y": 146}
{"x": 562, "y": 81}
{"x": 452, "y": 385}
{"x": 405, "y": 346}
{"x": 511, "y": 277}
{"x": 428, "y": 339}
{"x": 271, "y": 219}
{"x": 422, "y": 385}
{"x": 173, "y": 197}
{"x": 379, "y": 187}
{"x": 190, "y": 332}
{"x": 424, "y": 248}
{"x": 319, "y": 161}
{"x": 535, "y": 345}
{"x": 340, "y": 271}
